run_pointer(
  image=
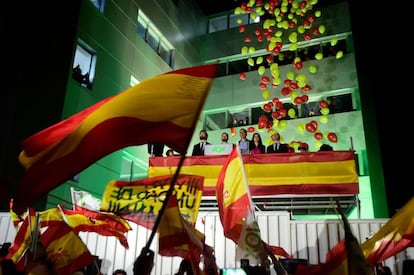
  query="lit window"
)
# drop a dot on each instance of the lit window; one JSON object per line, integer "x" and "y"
{"x": 84, "y": 65}
{"x": 99, "y": 4}
{"x": 147, "y": 31}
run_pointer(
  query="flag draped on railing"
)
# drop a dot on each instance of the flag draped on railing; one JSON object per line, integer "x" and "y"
{"x": 161, "y": 109}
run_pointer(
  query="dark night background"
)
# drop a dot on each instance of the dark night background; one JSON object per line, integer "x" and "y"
{"x": 37, "y": 43}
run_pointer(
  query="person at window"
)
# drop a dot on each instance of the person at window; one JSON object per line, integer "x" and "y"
{"x": 303, "y": 147}
{"x": 198, "y": 149}
{"x": 244, "y": 141}
{"x": 119, "y": 272}
{"x": 224, "y": 138}
{"x": 256, "y": 145}
{"x": 277, "y": 146}
{"x": 155, "y": 149}
{"x": 170, "y": 153}
{"x": 326, "y": 147}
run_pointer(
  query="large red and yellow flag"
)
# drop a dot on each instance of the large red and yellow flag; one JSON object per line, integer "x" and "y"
{"x": 65, "y": 249}
{"x": 161, "y": 109}
{"x": 140, "y": 201}
{"x": 395, "y": 236}
{"x": 178, "y": 238}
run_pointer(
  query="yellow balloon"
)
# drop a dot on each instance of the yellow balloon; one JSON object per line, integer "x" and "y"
{"x": 292, "y": 113}
{"x": 323, "y": 119}
{"x": 282, "y": 124}
{"x": 318, "y": 56}
{"x": 252, "y": 50}
{"x": 244, "y": 50}
{"x": 300, "y": 128}
{"x": 293, "y": 47}
{"x": 313, "y": 69}
{"x": 266, "y": 94}
{"x": 334, "y": 41}
{"x": 250, "y": 61}
{"x": 261, "y": 70}
{"x": 322, "y": 29}
{"x": 290, "y": 75}
{"x": 259, "y": 60}
{"x": 339, "y": 54}
{"x": 325, "y": 111}
{"x": 293, "y": 37}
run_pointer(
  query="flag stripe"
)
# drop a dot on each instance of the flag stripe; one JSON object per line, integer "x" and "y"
{"x": 331, "y": 173}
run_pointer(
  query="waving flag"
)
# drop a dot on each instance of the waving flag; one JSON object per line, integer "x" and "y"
{"x": 84, "y": 220}
{"x": 65, "y": 249}
{"x": 161, "y": 109}
{"x": 178, "y": 238}
{"x": 236, "y": 209}
{"x": 232, "y": 196}
{"x": 395, "y": 236}
{"x": 24, "y": 237}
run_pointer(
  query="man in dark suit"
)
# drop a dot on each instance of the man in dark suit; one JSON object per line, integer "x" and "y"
{"x": 277, "y": 146}
{"x": 155, "y": 149}
{"x": 198, "y": 149}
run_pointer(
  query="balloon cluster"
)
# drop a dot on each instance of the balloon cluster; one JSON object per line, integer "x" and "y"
{"x": 299, "y": 19}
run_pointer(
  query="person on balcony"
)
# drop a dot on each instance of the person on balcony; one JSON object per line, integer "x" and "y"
{"x": 244, "y": 141}
{"x": 224, "y": 138}
{"x": 277, "y": 146}
{"x": 198, "y": 149}
{"x": 256, "y": 145}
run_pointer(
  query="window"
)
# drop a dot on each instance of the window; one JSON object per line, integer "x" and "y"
{"x": 99, "y": 4}
{"x": 147, "y": 31}
{"x": 83, "y": 69}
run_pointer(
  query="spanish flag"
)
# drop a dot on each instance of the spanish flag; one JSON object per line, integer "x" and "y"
{"x": 84, "y": 220}
{"x": 178, "y": 238}
{"x": 395, "y": 236}
{"x": 232, "y": 195}
{"x": 65, "y": 249}
{"x": 161, "y": 109}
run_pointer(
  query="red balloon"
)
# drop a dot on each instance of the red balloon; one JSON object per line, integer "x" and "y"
{"x": 248, "y": 39}
{"x": 305, "y": 98}
{"x": 310, "y": 127}
{"x": 314, "y": 123}
{"x": 283, "y": 112}
{"x": 318, "y": 135}
{"x": 242, "y": 76}
{"x": 285, "y": 91}
{"x": 332, "y": 137}
{"x": 242, "y": 28}
{"x": 262, "y": 118}
{"x": 276, "y": 115}
{"x": 262, "y": 124}
{"x": 306, "y": 88}
{"x": 250, "y": 129}
{"x": 323, "y": 104}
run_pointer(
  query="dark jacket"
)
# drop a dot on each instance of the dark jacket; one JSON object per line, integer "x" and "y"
{"x": 283, "y": 148}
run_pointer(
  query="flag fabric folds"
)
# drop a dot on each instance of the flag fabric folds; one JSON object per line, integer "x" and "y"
{"x": 395, "y": 236}
{"x": 232, "y": 196}
{"x": 178, "y": 238}
{"x": 24, "y": 237}
{"x": 236, "y": 209}
{"x": 140, "y": 201}
{"x": 65, "y": 249}
{"x": 84, "y": 220}
{"x": 161, "y": 109}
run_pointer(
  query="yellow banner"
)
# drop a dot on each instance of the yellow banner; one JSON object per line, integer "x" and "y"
{"x": 140, "y": 201}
